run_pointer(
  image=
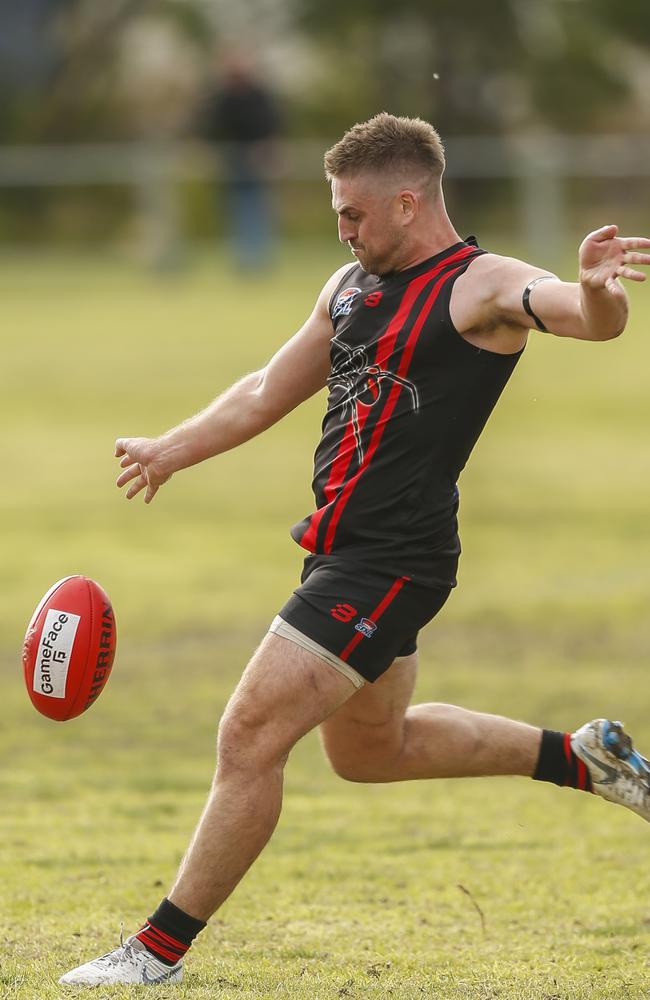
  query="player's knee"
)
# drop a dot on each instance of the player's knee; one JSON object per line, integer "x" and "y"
{"x": 248, "y": 740}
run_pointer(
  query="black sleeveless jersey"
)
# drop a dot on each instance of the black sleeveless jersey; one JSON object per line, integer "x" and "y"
{"x": 408, "y": 399}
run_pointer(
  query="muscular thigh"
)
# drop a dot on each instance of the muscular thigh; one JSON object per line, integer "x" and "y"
{"x": 283, "y": 693}
{"x": 371, "y": 721}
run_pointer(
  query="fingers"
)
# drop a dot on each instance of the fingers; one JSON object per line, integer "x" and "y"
{"x": 136, "y": 487}
{"x": 131, "y": 473}
{"x": 636, "y": 258}
{"x": 627, "y": 242}
{"x": 136, "y": 473}
{"x": 605, "y": 233}
{"x": 634, "y": 242}
{"x": 615, "y": 288}
{"x": 139, "y": 482}
{"x": 127, "y": 449}
{"x": 150, "y": 494}
{"x": 627, "y": 272}
{"x": 137, "y": 477}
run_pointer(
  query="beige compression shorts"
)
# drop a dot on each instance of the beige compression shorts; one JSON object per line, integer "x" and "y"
{"x": 282, "y": 628}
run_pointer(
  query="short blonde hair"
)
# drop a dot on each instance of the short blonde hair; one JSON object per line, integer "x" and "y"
{"x": 384, "y": 144}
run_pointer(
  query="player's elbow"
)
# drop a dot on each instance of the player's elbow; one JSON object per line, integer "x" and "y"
{"x": 609, "y": 333}
{"x": 620, "y": 326}
{"x": 608, "y": 326}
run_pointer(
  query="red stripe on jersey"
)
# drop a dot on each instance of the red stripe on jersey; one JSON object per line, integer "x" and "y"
{"x": 387, "y": 599}
{"x": 308, "y": 539}
{"x": 347, "y": 446}
{"x": 387, "y": 341}
{"x": 347, "y": 449}
{"x": 387, "y": 412}
{"x": 341, "y": 461}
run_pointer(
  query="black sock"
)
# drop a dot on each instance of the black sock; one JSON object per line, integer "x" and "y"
{"x": 169, "y": 932}
{"x": 558, "y": 763}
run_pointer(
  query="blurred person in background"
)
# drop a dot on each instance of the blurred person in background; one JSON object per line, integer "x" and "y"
{"x": 241, "y": 112}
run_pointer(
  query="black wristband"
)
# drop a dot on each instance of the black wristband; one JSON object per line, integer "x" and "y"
{"x": 526, "y": 299}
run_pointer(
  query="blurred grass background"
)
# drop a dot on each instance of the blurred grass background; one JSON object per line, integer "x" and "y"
{"x": 123, "y": 313}
{"x": 358, "y": 894}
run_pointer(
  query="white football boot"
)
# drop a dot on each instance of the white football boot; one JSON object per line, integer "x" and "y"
{"x": 130, "y": 963}
{"x": 618, "y": 772}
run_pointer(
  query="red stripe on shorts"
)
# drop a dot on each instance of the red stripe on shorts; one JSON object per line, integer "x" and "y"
{"x": 387, "y": 599}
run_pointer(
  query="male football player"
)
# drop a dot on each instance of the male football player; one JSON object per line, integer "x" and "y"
{"x": 416, "y": 340}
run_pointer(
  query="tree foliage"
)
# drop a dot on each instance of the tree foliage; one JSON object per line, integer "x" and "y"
{"x": 484, "y": 67}
{"x": 470, "y": 67}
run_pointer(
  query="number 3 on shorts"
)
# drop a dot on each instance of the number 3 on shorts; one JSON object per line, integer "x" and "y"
{"x": 343, "y": 612}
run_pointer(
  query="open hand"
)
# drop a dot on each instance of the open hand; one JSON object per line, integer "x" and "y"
{"x": 605, "y": 257}
{"x": 141, "y": 458}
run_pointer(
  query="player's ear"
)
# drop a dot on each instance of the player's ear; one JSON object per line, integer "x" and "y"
{"x": 408, "y": 202}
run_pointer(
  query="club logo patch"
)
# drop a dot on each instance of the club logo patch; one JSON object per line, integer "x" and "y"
{"x": 367, "y": 627}
{"x": 343, "y": 304}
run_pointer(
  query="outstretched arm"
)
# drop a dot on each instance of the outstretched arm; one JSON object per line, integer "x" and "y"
{"x": 596, "y": 307}
{"x": 489, "y": 309}
{"x": 298, "y": 370}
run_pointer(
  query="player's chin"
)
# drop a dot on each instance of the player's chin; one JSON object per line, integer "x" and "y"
{"x": 368, "y": 264}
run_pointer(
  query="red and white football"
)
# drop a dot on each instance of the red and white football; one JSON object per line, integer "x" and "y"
{"x": 69, "y": 648}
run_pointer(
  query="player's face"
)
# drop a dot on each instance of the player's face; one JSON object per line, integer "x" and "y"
{"x": 370, "y": 221}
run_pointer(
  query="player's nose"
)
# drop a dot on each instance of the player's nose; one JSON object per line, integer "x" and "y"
{"x": 347, "y": 231}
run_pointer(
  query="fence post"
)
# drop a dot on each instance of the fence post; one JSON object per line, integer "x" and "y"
{"x": 539, "y": 167}
{"x": 160, "y": 226}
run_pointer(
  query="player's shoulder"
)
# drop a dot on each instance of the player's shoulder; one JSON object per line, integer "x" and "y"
{"x": 486, "y": 301}
{"x": 494, "y": 264}
{"x": 490, "y": 273}
{"x": 334, "y": 283}
{"x": 340, "y": 275}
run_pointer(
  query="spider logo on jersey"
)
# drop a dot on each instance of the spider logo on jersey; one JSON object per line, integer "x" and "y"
{"x": 343, "y": 304}
{"x": 360, "y": 382}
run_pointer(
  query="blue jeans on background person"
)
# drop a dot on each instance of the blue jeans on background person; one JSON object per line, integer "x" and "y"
{"x": 250, "y": 209}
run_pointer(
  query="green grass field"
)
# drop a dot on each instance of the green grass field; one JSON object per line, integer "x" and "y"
{"x": 365, "y": 891}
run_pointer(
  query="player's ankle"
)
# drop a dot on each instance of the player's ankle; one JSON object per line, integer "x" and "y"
{"x": 558, "y": 763}
{"x": 169, "y": 932}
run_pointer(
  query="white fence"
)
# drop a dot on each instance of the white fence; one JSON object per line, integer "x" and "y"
{"x": 538, "y": 164}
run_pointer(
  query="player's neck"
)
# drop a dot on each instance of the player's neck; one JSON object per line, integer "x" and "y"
{"x": 428, "y": 248}
{"x": 435, "y": 234}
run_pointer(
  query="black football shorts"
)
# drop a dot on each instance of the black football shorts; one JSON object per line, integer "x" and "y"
{"x": 362, "y": 615}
